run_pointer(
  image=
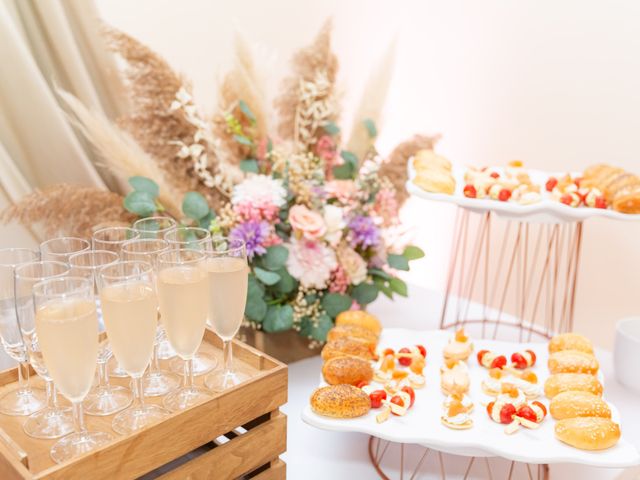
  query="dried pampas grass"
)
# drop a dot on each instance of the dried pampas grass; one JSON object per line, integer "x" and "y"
{"x": 395, "y": 166}
{"x": 121, "y": 153}
{"x": 308, "y": 98}
{"x": 68, "y": 210}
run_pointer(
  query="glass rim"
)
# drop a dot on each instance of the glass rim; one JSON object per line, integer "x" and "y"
{"x": 114, "y": 228}
{"x": 145, "y": 269}
{"x": 172, "y": 252}
{"x": 83, "y": 284}
{"x": 86, "y": 253}
{"x": 138, "y": 241}
{"x": 33, "y": 251}
{"x": 221, "y": 238}
{"x": 155, "y": 218}
{"x": 48, "y": 242}
{"x": 17, "y": 271}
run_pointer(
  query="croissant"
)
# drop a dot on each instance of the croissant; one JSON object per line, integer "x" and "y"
{"x": 620, "y": 188}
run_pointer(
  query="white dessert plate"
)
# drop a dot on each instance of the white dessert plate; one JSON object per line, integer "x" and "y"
{"x": 421, "y": 424}
{"x": 546, "y": 210}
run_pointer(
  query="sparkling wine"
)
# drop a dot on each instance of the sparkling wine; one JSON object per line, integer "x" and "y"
{"x": 130, "y": 312}
{"x": 182, "y": 294}
{"x": 228, "y": 277}
{"x": 68, "y": 336}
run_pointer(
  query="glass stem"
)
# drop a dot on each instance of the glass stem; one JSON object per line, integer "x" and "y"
{"x": 78, "y": 418}
{"x": 155, "y": 363}
{"x": 52, "y": 394}
{"x": 138, "y": 398}
{"x": 103, "y": 378}
{"x": 188, "y": 373}
{"x": 23, "y": 377}
{"x": 228, "y": 357}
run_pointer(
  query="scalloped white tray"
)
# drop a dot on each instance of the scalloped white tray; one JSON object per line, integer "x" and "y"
{"x": 546, "y": 210}
{"x": 422, "y": 425}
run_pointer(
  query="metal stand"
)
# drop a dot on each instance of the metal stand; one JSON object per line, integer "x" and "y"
{"x": 521, "y": 287}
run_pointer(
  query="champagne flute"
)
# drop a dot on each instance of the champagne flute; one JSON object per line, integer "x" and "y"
{"x": 156, "y": 382}
{"x": 22, "y": 400}
{"x": 228, "y": 277}
{"x": 158, "y": 227}
{"x": 67, "y": 329}
{"x": 59, "y": 249}
{"x": 104, "y": 399}
{"x": 112, "y": 239}
{"x": 183, "y": 288}
{"x": 53, "y": 421}
{"x": 194, "y": 238}
{"x": 130, "y": 309}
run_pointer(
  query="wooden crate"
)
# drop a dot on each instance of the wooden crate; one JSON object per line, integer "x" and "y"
{"x": 239, "y": 433}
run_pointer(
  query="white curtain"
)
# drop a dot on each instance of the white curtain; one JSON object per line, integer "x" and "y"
{"x": 44, "y": 44}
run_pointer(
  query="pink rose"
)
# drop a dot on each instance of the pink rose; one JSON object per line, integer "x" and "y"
{"x": 326, "y": 148}
{"x": 307, "y": 222}
{"x": 343, "y": 190}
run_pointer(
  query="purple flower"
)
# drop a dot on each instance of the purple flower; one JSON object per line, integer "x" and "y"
{"x": 363, "y": 232}
{"x": 254, "y": 234}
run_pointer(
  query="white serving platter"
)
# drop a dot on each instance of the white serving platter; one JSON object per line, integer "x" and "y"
{"x": 546, "y": 210}
{"x": 421, "y": 425}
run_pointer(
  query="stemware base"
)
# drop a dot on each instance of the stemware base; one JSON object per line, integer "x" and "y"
{"x": 202, "y": 363}
{"x": 49, "y": 423}
{"x": 185, "y": 397}
{"x": 107, "y": 400}
{"x": 159, "y": 382}
{"x": 165, "y": 350}
{"x": 79, "y": 443}
{"x": 220, "y": 380}
{"x": 23, "y": 401}
{"x": 135, "y": 418}
{"x": 115, "y": 370}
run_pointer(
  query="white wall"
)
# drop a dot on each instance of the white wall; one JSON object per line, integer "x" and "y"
{"x": 552, "y": 83}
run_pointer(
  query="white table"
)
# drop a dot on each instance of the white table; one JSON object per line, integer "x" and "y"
{"x": 317, "y": 454}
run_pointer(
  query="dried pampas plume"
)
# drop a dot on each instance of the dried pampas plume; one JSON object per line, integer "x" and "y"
{"x": 372, "y": 104}
{"x": 68, "y": 210}
{"x": 308, "y": 98}
{"x": 121, "y": 153}
{"x": 395, "y": 166}
{"x": 242, "y": 82}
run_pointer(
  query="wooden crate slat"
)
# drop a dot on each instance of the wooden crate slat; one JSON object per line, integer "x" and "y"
{"x": 11, "y": 468}
{"x": 239, "y": 456}
{"x": 277, "y": 471}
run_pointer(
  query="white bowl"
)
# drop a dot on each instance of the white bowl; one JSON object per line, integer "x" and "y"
{"x": 626, "y": 353}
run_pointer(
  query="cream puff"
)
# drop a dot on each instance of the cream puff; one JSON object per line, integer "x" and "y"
{"x": 459, "y": 348}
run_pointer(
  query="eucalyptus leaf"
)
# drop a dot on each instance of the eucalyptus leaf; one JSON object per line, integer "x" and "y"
{"x": 275, "y": 258}
{"x": 345, "y": 171}
{"x": 249, "y": 165}
{"x": 364, "y": 293}
{"x": 266, "y": 277}
{"x": 247, "y": 111}
{"x": 371, "y": 127}
{"x": 144, "y": 184}
{"x": 243, "y": 140}
{"x": 205, "y": 222}
{"x": 399, "y": 262}
{"x": 398, "y": 286}
{"x": 383, "y": 287}
{"x": 376, "y": 272}
{"x": 335, "y": 303}
{"x": 287, "y": 283}
{"x": 349, "y": 157}
{"x": 254, "y": 287}
{"x": 140, "y": 203}
{"x": 412, "y": 253}
{"x": 195, "y": 206}
{"x": 321, "y": 328}
{"x": 255, "y": 309}
{"x": 278, "y": 318}
{"x": 331, "y": 128}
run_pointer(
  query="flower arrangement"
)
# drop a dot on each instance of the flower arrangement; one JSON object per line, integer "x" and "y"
{"x": 319, "y": 214}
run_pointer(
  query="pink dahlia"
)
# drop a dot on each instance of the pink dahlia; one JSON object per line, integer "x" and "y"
{"x": 339, "y": 281}
{"x": 310, "y": 262}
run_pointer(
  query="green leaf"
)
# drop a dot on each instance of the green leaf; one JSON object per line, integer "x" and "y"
{"x": 278, "y": 319}
{"x": 412, "y": 253}
{"x": 331, "y": 128}
{"x": 371, "y": 127}
{"x": 345, "y": 171}
{"x": 243, "y": 140}
{"x": 256, "y": 309}
{"x": 399, "y": 262}
{"x": 335, "y": 303}
{"x": 144, "y": 184}
{"x": 254, "y": 287}
{"x": 266, "y": 277}
{"x": 376, "y": 272}
{"x": 195, "y": 206}
{"x": 398, "y": 286}
{"x": 247, "y": 111}
{"x": 349, "y": 158}
{"x": 287, "y": 283}
{"x": 249, "y": 165}
{"x": 306, "y": 327}
{"x": 275, "y": 258}
{"x": 140, "y": 203}
{"x": 364, "y": 293}
{"x": 320, "y": 330}
{"x": 383, "y": 287}
{"x": 205, "y": 222}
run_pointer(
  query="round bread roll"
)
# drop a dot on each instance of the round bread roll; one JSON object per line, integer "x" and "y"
{"x": 435, "y": 181}
{"x": 563, "y": 382}
{"x": 588, "y": 433}
{"x": 572, "y": 361}
{"x": 570, "y": 341}
{"x": 348, "y": 346}
{"x": 340, "y": 401}
{"x": 351, "y": 370}
{"x": 359, "y": 318}
{"x": 353, "y": 331}
{"x": 573, "y": 404}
